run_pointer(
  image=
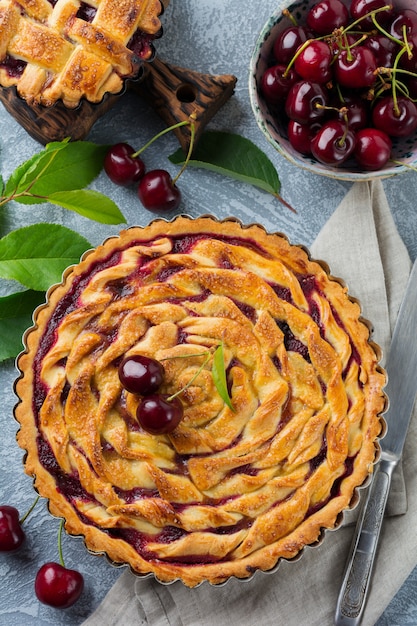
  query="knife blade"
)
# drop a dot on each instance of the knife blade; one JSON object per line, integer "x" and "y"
{"x": 401, "y": 390}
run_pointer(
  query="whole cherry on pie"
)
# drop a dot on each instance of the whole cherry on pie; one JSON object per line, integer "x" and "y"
{"x": 159, "y": 414}
{"x": 141, "y": 374}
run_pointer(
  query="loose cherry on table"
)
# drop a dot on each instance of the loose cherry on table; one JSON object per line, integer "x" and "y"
{"x": 122, "y": 166}
{"x": 57, "y": 585}
{"x": 11, "y": 532}
{"x": 158, "y": 192}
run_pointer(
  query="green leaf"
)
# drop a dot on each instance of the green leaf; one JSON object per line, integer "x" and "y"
{"x": 233, "y": 156}
{"x": 61, "y": 166}
{"x": 92, "y": 204}
{"x": 15, "y": 317}
{"x": 36, "y": 255}
{"x": 219, "y": 376}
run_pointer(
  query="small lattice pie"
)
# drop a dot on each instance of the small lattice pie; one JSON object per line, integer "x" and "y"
{"x": 69, "y": 50}
{"x": 228, "y": 492}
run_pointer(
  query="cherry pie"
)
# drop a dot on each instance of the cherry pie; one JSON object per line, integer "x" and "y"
{"x": 229, "y": 490}
{"x": 69, "y": 50}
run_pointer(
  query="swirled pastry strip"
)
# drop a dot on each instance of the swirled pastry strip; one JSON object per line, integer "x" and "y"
{"x": 230, "y": 490}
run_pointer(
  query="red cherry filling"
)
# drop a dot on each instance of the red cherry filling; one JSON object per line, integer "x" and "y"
{"x": 14, "y": 67}
{"x": 158, "y": 414}
{"x": 141, "y": 374}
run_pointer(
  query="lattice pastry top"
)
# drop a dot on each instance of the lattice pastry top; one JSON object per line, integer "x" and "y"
{"x": 230, "y": 490}
{"x": 69, "y": 49}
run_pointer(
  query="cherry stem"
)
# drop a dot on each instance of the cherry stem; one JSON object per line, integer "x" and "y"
{"x": 394, "y": 82}
{"x": 371, "y": 14}
{"x": 190, "y": 148}
{"x": 29, "y": 511}
{"x": 192, "y": 379}
{"x": 60, "y": 553}
{"x": 386, "y": 33}
{"x": 410, "y": 167}
{"x": 292, "y": 19}
{"x": 159, "y": 135}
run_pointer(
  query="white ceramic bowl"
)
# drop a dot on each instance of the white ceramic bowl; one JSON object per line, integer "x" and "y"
{"x": 274, "y": 128}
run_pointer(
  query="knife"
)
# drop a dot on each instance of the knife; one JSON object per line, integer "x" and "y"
{"x": 401, "y": 389}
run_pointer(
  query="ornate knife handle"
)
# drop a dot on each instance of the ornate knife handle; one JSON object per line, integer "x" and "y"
{"x": 355, "y": 585}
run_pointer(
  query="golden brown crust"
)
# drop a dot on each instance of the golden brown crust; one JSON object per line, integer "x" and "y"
{"x": 68, "y": 58}
{"x": 228, "y": 492}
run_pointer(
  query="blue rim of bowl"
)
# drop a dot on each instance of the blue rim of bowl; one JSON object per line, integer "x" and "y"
{"x": 268, "y": 125}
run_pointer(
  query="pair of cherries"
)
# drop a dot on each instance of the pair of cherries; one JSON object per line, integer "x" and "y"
{"x": 157, "y": 413}
{"x": 346, "y": 80}
{"x": 55, "y": 585}
{"x": 157, "y": 190}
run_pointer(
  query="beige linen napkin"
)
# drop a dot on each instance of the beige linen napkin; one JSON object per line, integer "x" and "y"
{"x": 361, "y": 244}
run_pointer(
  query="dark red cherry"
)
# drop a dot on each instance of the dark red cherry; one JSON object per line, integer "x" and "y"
{"x": 353, "y": 110}
{"x": 300, "y": 136}
{"x": 313, "y": 62}
{"x": 406, "y": 61}
{"x": 327, "y": 15}
{"x": 141, "y": 374}
{"x": 383, "y": 49}
{"x": 159, "y": 415}
{"x": 305, "y": 102}
{"x": 355, "y": 68}
{"x": 11, "y": 532}
{"x": 274, "y": 85}
{"x": 360, "y": 8}
{"x": 287, "y": 42}
{"x": 157, "y": 191}
{"x": 58, "y": 586}
{"x": 121, "y": 167}
{"x": 395, "y": 121}
{"x": 404, "y": 23}
{"x": 333, "y": 144}
{"x": 373, "y": 148}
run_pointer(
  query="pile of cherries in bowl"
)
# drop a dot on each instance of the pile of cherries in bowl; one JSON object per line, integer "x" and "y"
{"x": 343, "y": 83}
